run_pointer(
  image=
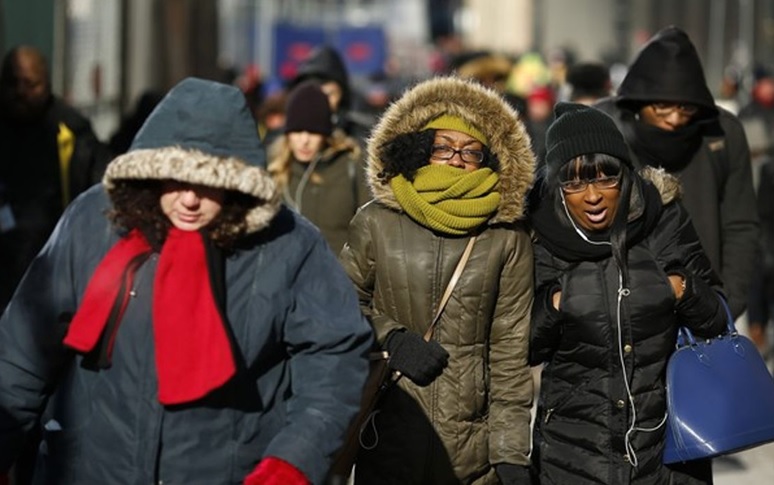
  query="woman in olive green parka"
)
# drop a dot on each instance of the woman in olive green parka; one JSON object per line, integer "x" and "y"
{"x": 447, "y": 161}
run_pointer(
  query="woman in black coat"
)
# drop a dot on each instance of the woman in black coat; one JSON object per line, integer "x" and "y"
{"x": 618, "y": 269}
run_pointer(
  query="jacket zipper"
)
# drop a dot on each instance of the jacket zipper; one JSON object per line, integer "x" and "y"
{"x": 119, "y": 308}
{"x": 560, "y": 404}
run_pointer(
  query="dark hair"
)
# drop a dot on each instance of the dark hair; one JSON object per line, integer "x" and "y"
{"x": 11, "y": 58}
{"x": 407, "y": 153}
{"x": 584, "y": 167}
{"x": 589, "y": 166}
{"x": 588, "y": 79}
{"x": 136, "y": 206}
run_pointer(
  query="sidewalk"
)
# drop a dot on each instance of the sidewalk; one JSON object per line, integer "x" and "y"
{"x": 751, "y": 467}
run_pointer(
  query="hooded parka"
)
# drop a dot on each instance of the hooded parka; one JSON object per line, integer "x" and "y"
{"x": 602, "y": 406}
{"x": 476, "y": 414}
{"x": 297, "y": 335}
{"x": 712, "y": 162}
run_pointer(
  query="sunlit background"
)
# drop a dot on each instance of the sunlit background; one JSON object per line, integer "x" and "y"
{"x": 105, "y": 53}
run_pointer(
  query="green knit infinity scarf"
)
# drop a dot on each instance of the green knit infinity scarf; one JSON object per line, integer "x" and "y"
{"x": 447, "y": 199}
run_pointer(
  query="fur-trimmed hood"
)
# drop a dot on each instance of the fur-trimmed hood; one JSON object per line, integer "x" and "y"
{"x": 482, "y": 108}
{"x": 202, "y": 133}
{"x": 667, "y": 184}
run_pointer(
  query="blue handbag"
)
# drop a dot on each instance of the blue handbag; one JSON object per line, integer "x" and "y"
{"x": 720, "y": 396}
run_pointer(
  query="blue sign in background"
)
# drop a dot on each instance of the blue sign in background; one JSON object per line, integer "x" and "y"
{"x": 292, "y": 45}
{"x": 364, "y": 49}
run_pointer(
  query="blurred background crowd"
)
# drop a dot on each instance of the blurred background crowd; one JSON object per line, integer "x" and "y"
{"x": 109, "y": 57}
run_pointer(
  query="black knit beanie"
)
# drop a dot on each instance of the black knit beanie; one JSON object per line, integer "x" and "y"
{"x": 581, "y": 130}
{"x": 307, "y": 109}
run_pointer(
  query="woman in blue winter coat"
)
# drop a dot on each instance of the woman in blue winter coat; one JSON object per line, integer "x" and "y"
{"x": 181, "y": 326}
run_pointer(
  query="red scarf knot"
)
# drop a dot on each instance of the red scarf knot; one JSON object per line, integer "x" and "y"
{"x": 192, "y": 347}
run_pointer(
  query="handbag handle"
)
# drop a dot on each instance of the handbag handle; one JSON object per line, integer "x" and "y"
{"x": 685, "y": 336}
{"x": 450, "y": 287}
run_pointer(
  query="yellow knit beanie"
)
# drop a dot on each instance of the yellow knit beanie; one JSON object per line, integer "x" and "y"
{"x": 451, "y": 122}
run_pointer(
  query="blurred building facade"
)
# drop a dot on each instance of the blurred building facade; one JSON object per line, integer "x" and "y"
{"x": 105, "y": 53}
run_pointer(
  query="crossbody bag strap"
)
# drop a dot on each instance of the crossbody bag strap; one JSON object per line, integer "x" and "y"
{"x": 450, "y": 287}
{"x": 383, "y": 356}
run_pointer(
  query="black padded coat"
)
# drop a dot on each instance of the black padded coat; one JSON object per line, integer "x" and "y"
{"x": 604, "y": 363}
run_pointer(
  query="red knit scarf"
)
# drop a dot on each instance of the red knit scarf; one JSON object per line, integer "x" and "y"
{"x": 193, "y": 352}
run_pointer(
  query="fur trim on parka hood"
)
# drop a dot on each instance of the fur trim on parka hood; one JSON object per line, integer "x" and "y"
{"x": 668, "y": 185}
{"x": 482, "y": 108}
{"x": 202, "y": 133}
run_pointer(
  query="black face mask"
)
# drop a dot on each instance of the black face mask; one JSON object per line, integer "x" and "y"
{"x": 672, "y": 150}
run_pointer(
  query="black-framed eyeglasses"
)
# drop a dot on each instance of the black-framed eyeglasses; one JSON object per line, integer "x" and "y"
{"x": 445, "y": 152}
{"x": 600, "y": 183}
{"x": 662, "y": 110}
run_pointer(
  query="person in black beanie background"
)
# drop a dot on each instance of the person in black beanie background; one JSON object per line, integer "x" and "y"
{"x": 589, "y": 82}
{"x": 669, "y": 119}
{"x": 618, "y": 266}
{"x": 319, "y": 169}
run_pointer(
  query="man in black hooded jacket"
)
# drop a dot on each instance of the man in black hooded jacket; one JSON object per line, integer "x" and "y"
{"x": 326, "y": 66}
{"x": 670, "y": 120}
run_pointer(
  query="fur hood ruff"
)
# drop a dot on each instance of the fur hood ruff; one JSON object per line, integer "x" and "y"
{"x": 202, "y": 133}
{"x": 668, "y": 185}
{"x": 481, "y": 107}
{"x": 196, "y": 167}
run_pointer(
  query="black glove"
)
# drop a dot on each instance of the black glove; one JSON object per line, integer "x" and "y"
{"x": 700, "y": 304}
{"x": 513, "y": 474}
{"x": 418, "y": 360}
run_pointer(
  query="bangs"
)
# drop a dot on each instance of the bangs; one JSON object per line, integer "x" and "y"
{"x": 586, "y": 167}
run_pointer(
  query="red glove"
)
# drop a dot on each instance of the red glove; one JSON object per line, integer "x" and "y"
{"x": 273, "y": 471}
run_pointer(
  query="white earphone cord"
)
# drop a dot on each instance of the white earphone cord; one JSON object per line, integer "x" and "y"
{"x": 622, "y": 292}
